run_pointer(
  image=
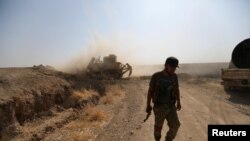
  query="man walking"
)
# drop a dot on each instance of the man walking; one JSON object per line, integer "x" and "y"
{"x": 164, "y": 93}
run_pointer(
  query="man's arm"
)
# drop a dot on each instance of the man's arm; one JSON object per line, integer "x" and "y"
{"x": 150, "y": 94}
{"x": 177, "y": 93}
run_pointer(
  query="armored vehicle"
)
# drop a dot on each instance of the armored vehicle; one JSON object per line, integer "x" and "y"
{"x": 108, "y": 68}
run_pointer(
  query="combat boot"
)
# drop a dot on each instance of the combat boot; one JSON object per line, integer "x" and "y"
{"x": 168, "y": 139}
{"x": 158, "y": 138}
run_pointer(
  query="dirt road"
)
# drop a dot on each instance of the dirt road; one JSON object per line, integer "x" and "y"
{"x": 204, "y": 102}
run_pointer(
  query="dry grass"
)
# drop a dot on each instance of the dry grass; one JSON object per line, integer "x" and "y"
{"x": 108, "y": 99}
{"x": 112, "y": 92}
{"x": 81, "y": 129}
{"x": 94, "y": 114}
{"x": 5, "y": 137}
{"x": 83, "y": 95}
{"x": 115, "y": 90}
{"x": 92, "y": 117}
{"x": 78, "y": 124}
{"x": 81, "y": 136}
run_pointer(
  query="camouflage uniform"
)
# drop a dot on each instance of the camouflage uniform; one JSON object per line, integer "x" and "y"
{"x": 164, "y": 107}
{"x": 163, "y": 112}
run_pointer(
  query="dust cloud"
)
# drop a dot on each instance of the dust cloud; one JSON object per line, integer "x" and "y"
{"x": 125, "y": 48}
{"x": 211, "y": 70}
{"x": 98, "y": 48}
{"x": 194, "y": 69}
{"x": 132, "y": 50}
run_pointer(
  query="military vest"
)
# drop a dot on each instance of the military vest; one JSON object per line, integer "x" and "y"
{"x": 164, "y": 86}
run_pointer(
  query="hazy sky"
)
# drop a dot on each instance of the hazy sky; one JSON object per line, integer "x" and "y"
{"x": 52, "y": 32}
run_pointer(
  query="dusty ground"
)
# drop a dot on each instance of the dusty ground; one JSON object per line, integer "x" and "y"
{"x": 119, "y": 115}
{"x": 34, "y": 101}
{"x": 204, "y": 102}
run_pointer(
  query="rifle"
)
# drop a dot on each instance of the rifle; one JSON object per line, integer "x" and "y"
{"x": 147, "y": 117}
{"x": 149, "y": 113}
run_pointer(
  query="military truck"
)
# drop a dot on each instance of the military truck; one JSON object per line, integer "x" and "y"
{"x": 237, "y": 75}
{"x": 108, "y": 68}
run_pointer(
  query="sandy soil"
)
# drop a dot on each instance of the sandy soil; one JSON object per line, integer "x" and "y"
{"x": 204, "y": 102}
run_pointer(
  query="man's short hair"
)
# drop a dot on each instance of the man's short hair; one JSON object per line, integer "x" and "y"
{"x": 172, "y": 61}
